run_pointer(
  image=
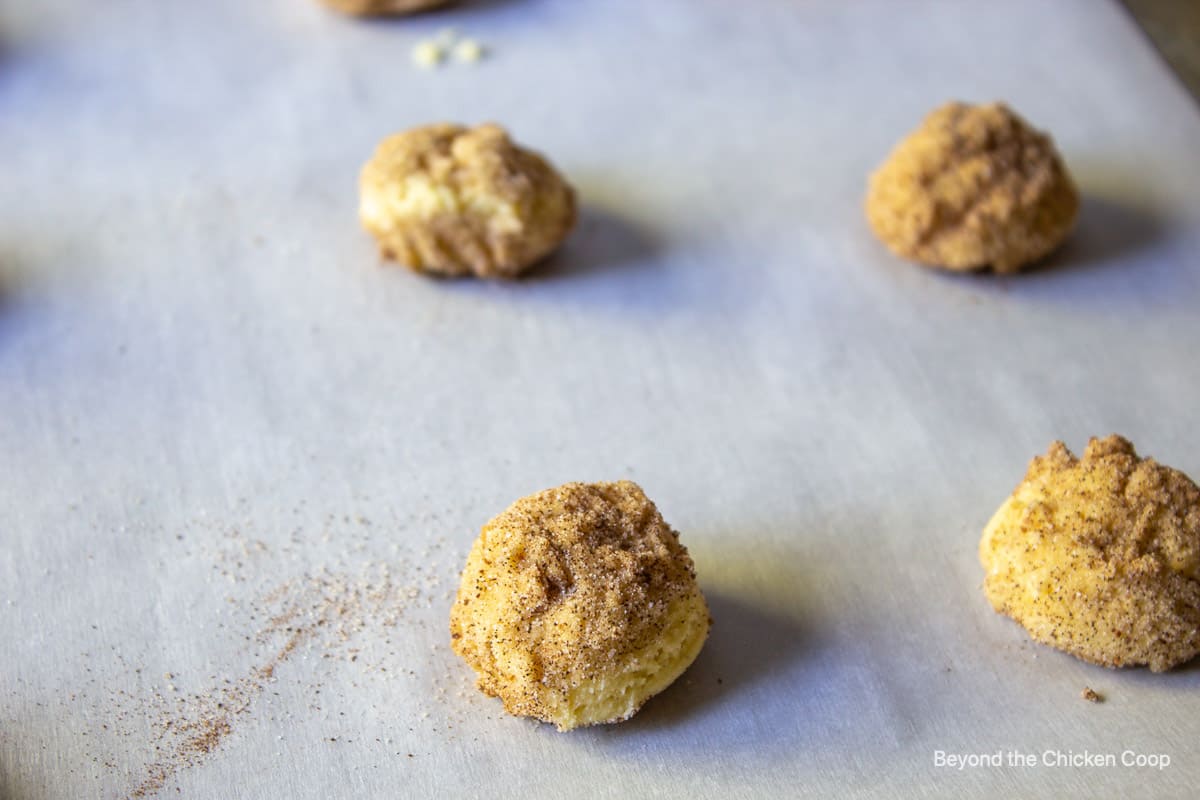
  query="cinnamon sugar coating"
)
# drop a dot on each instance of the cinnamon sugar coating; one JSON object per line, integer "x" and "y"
{"x": 973, "y": 187}
{"x": 455, "y": 201}
{"x": 1100, "y": 556}
{"x": 578, "y": 604}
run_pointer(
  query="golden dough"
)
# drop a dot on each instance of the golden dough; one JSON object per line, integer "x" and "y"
{"x": 372, "y": 8}
{"x": 974, "y": 186}
{"x": 578, "y": 604}
{"x": 1100, "y": 556}
{"x": 454, "y": 201}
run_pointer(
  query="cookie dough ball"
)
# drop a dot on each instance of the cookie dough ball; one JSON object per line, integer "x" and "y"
{"x": 453, "y": 201}
{"x": 372, "y": 8}
{"x": 578, "y": 604}
{"x": 973, "y": 187}
{"x": 1100, "y": 556}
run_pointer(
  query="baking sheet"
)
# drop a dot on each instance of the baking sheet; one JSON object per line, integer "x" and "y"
{"x": 219, "y": 411}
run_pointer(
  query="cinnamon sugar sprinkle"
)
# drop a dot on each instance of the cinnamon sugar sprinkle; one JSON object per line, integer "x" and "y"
{"x": 342, "y": 612}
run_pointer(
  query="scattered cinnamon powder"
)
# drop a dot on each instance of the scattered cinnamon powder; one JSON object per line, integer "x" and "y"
{"x": 335, "y": 611}
{"x": 198, "y": 726}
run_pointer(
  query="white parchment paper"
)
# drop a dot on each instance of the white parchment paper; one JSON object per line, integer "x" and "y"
{"x": 210, "y": 388}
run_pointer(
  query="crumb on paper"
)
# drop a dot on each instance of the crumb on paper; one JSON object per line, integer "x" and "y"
{"x": 432, "y": 52}
{"x": 468, "y": 51}
{"x": 428, "y": 54}
{"x": 1091, "y": 695}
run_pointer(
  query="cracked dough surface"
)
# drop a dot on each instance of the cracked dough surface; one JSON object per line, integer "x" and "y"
{"x": 973, "y": 187}
{"x": 578, "y": 604}
{"x": 1100, "y": 556}
{"x": 455, "y": 201}
{"x": 370, "y": 8}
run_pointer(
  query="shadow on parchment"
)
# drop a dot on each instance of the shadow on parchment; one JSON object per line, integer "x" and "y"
{"x": 1122, "y": 254}
{"x": 1119, "y": 255}
{"x": 10, "y": 284}
{"x": 770, "y": 678}
{"x": 7, "y": 302}
{"x": 746, "y": 648}
{"x": 609, "y": 263}
{"x": 601, "y": 242}
{"x": 1183, "y": 678}
{"x": 1107, "y": 233}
